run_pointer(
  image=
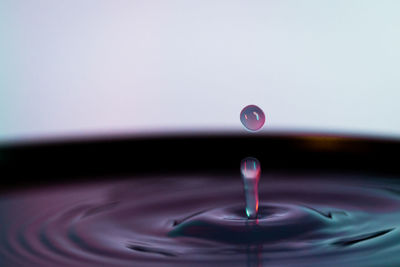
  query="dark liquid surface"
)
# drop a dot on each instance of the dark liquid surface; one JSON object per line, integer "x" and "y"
{"x": 200, "y": 221}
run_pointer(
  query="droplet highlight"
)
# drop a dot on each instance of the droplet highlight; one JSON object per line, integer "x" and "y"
{"x": 252, "y": 117}
{"x": 250, "y": 169}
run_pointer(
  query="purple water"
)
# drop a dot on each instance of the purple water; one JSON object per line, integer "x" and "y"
{"x": 201, "y": 221}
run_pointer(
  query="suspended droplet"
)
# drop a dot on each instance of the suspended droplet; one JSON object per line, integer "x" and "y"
{"x": 250, "y": 169}
{"x": 252, "y": 117}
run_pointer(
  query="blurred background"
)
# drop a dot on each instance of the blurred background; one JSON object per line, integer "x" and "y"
{"x": 100, "y": 67}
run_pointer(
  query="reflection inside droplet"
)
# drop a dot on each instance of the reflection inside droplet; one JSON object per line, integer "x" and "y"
{"x": 252, "y": 117}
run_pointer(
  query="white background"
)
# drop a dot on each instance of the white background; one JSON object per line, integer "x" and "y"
{"x": 82, "y": 68}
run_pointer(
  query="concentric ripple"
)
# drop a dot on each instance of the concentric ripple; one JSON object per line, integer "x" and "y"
{"x": 198, "y": 221}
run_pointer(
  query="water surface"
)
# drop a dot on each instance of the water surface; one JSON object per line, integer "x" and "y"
{"x": 201, "y": 221}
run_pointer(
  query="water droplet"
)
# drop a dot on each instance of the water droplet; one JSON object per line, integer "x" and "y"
{"x": 252, "y": 117}
{"x": 250, "y": 169}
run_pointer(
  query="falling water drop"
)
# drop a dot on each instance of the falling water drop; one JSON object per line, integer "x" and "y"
{"x": 252, "y": 117}
{"x": 250, "y": 169}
